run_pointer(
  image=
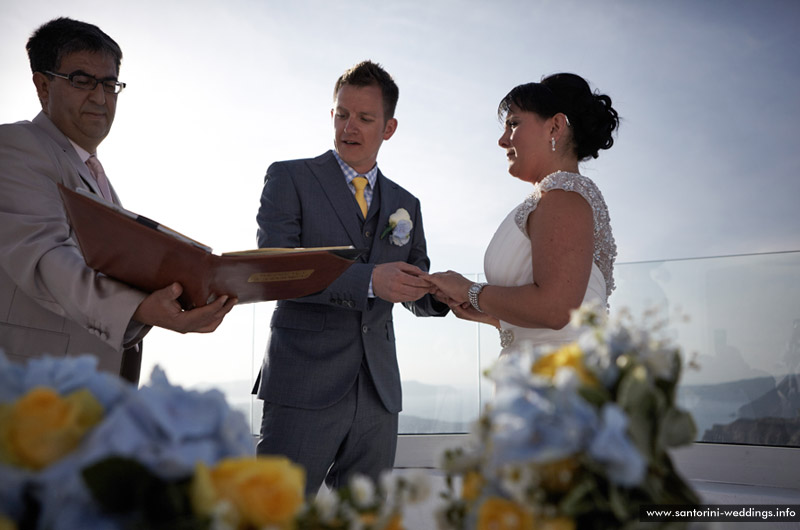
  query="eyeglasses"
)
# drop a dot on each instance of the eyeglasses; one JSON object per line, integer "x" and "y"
{"x": 85, "y": 81}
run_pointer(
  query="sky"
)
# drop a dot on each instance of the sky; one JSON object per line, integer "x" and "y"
{"x": 705, "y": 162}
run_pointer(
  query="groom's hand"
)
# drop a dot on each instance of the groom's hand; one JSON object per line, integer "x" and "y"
{"x": 399, "y": 281}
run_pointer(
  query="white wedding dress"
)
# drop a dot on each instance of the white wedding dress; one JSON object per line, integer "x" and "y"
{"x": 507, "y": 261}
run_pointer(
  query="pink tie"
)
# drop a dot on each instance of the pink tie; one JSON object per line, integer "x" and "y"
{"x": 100, "y": 176}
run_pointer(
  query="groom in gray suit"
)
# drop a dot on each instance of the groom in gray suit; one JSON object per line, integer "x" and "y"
{"x": 330, "y": 380}
{"x": 51, "y": 302}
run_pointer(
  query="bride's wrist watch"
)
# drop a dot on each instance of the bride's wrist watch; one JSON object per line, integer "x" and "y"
{"x": 474, "y": 290}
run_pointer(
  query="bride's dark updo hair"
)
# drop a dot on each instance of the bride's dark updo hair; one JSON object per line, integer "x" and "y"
{"x": 592, "y": 118}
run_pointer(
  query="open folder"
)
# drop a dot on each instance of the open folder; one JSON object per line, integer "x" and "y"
{"x": 150, "y": 256}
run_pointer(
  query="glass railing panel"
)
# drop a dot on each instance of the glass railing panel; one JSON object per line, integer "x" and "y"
{"x": 441, "y": 364}
{"x": 736, "y": 317}
{"x": 743, "y": 330}
{"x": 438, "y": 359}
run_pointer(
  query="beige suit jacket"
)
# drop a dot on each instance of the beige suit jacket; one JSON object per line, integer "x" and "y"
{"x": 51, "y": 302}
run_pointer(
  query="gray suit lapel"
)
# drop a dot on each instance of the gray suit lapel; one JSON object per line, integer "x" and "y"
{"x": 331, "y": 179}
{"x": 388, "y": 205}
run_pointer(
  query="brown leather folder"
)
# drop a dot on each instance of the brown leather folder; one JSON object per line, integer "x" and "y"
{"x": 149, "y": 256}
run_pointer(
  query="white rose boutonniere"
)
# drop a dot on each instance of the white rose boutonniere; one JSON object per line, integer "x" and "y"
{"x": 399, "y": 227}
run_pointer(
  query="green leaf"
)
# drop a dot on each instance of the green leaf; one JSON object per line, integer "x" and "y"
{"x": 640, "y": 402}
{"x": 580, "y": 498}
{"x": 618, "y": 503}
{"x": 118, "y": 484}
{"x": 169, "y": 502}
{"x": 677, "y": 428}
{"x": 124, "y": 486}
{"x": 595, "y": 395}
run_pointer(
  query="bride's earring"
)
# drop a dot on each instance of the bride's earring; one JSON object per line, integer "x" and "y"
{"x": 553, "y": 144}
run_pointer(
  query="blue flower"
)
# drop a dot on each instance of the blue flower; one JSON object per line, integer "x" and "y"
{"x": 541, "y": 425}
{"x": 613, "y": 448}
{"x": 165, "y": 427}
{"x": 401, "y": 232}
{"x": 64, "y": 375}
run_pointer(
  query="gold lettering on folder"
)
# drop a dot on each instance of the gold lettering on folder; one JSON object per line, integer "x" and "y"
{"x": 283, "y": 276}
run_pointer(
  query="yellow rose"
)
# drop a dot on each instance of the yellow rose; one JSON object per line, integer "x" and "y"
{"x": 501, "y": 514}
{"x": 263, "y": 491}
{"x": 42, "y": 427}
{"x": 473, "y": 482}
{"x": 567, "y": 356}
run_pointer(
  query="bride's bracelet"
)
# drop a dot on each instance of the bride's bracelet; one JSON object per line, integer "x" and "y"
{"x": 474, "y": 290}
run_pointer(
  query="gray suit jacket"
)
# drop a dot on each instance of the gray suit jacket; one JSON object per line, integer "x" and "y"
{"x": 51, "y": 302}
{"x": 318, "y": 343}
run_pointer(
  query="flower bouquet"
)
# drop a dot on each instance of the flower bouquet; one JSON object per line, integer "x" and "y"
{"x": 576, "y": 437}
{"x": 83, "y": 449}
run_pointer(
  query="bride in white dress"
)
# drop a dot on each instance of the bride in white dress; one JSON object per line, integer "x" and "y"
{"x": 555, "y": 250}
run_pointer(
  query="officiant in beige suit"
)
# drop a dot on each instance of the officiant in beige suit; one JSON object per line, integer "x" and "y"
{"x": 51, "y": 302}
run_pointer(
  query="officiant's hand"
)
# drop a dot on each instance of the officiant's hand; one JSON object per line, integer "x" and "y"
{"x": 399, "y": 281}
{"x": 161, "y": 308}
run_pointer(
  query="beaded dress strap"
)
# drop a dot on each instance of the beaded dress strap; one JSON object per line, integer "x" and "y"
{"x": 605, "y": 249}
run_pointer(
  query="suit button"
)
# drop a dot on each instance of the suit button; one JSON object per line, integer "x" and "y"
{"x": 364, "y": 329}
{"x": 350, "y": 303}
{"x": 368, "y": 233}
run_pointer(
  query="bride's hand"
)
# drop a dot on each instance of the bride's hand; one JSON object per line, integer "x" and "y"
{"x": 452, "y": 289}
{"x": 465, "y": 311}
{"x": 452, "y": 285}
